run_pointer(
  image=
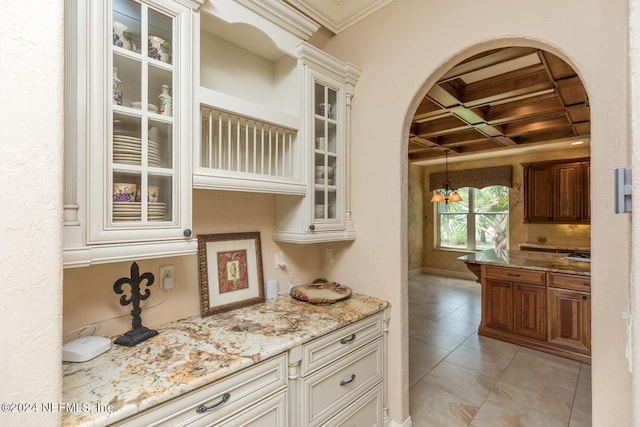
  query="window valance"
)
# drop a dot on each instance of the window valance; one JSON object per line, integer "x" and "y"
{"x": 477, "y": 178}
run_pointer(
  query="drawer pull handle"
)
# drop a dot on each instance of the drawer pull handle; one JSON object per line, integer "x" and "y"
{"x": 513, "y": 275}
{"x": 203, "y": 408}
{"x": 353, "y": 377}
{"x": 348, "y": 340}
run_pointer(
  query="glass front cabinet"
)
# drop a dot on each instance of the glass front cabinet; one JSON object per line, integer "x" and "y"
{"x": 324, "y": 214}
{"x": 128, "y": 134}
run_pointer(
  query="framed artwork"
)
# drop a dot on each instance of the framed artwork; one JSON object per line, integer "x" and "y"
{"x": 230, "y": 271}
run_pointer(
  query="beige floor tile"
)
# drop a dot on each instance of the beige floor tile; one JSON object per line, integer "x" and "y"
{"x": 580, "y": 418}
{"x": 491, "y": 346}
{"x": 531, "y": 366}
{"x": 486, "y": 363}
{"x": 500, "y": 412}
{"x": 439, "y": 338}
{"x": 455, "y": 326}
{"x": 542, "y": 397}
{"x": 462, "y": 382}
{"x": 465, "y": 314}
{"x": 422, "y": 358}
{"x": 585, "y": 373}
{"x": 432, "y": 407}
{"x": 458, "y": 378}
{"x": 582, "y": 400}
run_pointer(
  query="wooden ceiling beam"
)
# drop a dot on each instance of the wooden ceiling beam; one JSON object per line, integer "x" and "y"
{"x": 518, "y": 110}
{"x": 522, "y": 84}
{"x": 484, "y": 60}
{"x": 530, "y": 126}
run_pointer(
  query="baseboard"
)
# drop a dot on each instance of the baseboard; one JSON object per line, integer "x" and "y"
{"x": 447, "y": 273}
{"x": 406, "y": 423}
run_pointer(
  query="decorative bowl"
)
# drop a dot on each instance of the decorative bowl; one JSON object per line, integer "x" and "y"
{"x": 124, "y": 192}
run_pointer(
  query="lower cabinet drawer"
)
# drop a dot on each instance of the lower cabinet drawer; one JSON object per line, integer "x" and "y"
{"x": 230, "y": 396}
{"x": 516, "y": 274}
{"x": 570, "y": 281}
{"x": 364, "y": 412}
{"x": 325, "y": 350}
{"x": 329, "y": 390}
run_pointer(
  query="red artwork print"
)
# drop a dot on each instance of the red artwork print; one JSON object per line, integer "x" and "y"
{"x": 232, "y": 271}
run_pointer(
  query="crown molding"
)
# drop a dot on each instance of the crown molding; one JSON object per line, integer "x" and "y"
{"x": 283, "y": 16}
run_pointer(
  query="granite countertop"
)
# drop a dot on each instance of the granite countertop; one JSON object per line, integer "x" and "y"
{"x": 550, "y": 247}
{"x": 529, "y": 260}
{"x": 193, "y": 352}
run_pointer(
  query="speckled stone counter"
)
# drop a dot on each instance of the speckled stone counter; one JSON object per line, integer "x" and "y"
{"x": 190, "y": 353}
{"x": 529, "y": 260}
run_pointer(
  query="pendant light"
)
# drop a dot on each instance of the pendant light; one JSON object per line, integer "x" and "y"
{"x": 446, "y": 194}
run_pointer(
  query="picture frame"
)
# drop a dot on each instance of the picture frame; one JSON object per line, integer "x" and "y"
{"x": 230, "y": 271}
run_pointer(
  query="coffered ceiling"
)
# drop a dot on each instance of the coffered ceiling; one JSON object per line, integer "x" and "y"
{"x": 500, "y": 99}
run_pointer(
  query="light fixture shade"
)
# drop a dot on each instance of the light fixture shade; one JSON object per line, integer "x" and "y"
{"x": 455, "y": 197}
{"x": 437, "y": 197}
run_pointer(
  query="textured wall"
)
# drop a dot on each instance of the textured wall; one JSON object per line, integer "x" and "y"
{"x": 31, "y": 86}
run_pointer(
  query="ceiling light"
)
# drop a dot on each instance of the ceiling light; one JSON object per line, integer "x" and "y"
{"x": 446, "y": 193}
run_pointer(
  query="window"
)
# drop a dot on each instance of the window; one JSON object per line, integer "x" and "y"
{"x": 480, "y": 221}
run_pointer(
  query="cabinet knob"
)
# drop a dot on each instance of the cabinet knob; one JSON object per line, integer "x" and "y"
{"x": 584, "y": 297}
{"x": 518, "y": 287}
{"x": 312, "y": 227}
{"x": 187, "y": 232}
{"x": 507, "y": 286}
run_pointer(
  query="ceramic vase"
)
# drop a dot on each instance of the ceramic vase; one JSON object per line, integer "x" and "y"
{"x": 165, "y": 106}
{"x": 117, "y": 88}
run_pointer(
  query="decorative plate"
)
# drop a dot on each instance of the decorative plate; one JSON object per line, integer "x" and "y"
{"x": 321, "y": 292}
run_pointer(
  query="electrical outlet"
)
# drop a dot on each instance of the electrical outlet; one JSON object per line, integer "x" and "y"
{"x": 166, "y": 276}
{"x": 328, "y": 255}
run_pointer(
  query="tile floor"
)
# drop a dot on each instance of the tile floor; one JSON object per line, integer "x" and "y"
{"x": 458, "y": 378}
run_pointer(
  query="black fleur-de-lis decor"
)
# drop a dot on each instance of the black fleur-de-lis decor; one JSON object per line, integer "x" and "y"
{"x": 138, "y": 333}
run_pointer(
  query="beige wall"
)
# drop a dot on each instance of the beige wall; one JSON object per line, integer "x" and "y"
{"x": 402, "y": 50}
{"x": 446, "y": 261}
{"x": 31, "y": 140}
{"x": 89, "y": 295}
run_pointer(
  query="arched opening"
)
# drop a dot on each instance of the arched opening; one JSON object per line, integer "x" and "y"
{"x": 494, "y": 108}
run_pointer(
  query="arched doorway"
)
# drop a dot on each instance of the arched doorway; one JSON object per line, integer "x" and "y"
{"x": 503, "y": 106}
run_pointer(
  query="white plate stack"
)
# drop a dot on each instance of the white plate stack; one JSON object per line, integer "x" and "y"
{"x": 128, "y": 150}
{"x": 131, "y": 211}
{"x": 156, "y": 211}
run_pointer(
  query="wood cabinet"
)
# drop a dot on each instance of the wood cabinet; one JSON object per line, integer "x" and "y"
{"x": 128, "y": 150}
{"x": 547, "y": 311}
{"x": 569, "y": 300}
{"x": 514, "y": 301}
{"x": 557, "y": 192}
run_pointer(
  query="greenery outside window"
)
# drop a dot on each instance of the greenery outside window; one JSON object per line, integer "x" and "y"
{"x": 479, "y": 222}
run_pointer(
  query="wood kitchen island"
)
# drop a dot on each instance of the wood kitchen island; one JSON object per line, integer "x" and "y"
{"x": 535, "y": 299}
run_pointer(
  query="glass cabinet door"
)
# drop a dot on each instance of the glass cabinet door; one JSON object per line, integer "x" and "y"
{"x": 326, "y": 149}
{"x": 141, "y": 148}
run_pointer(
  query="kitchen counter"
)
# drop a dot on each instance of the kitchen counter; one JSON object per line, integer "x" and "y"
{"x": 193, "y": 352}
{"x": 530, "y": 260}
{"x": 552, "y": 248}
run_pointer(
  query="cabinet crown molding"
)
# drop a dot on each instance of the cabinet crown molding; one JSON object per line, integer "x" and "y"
{"x": 191, "y": 4}
{"x": 283, "y": 16}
